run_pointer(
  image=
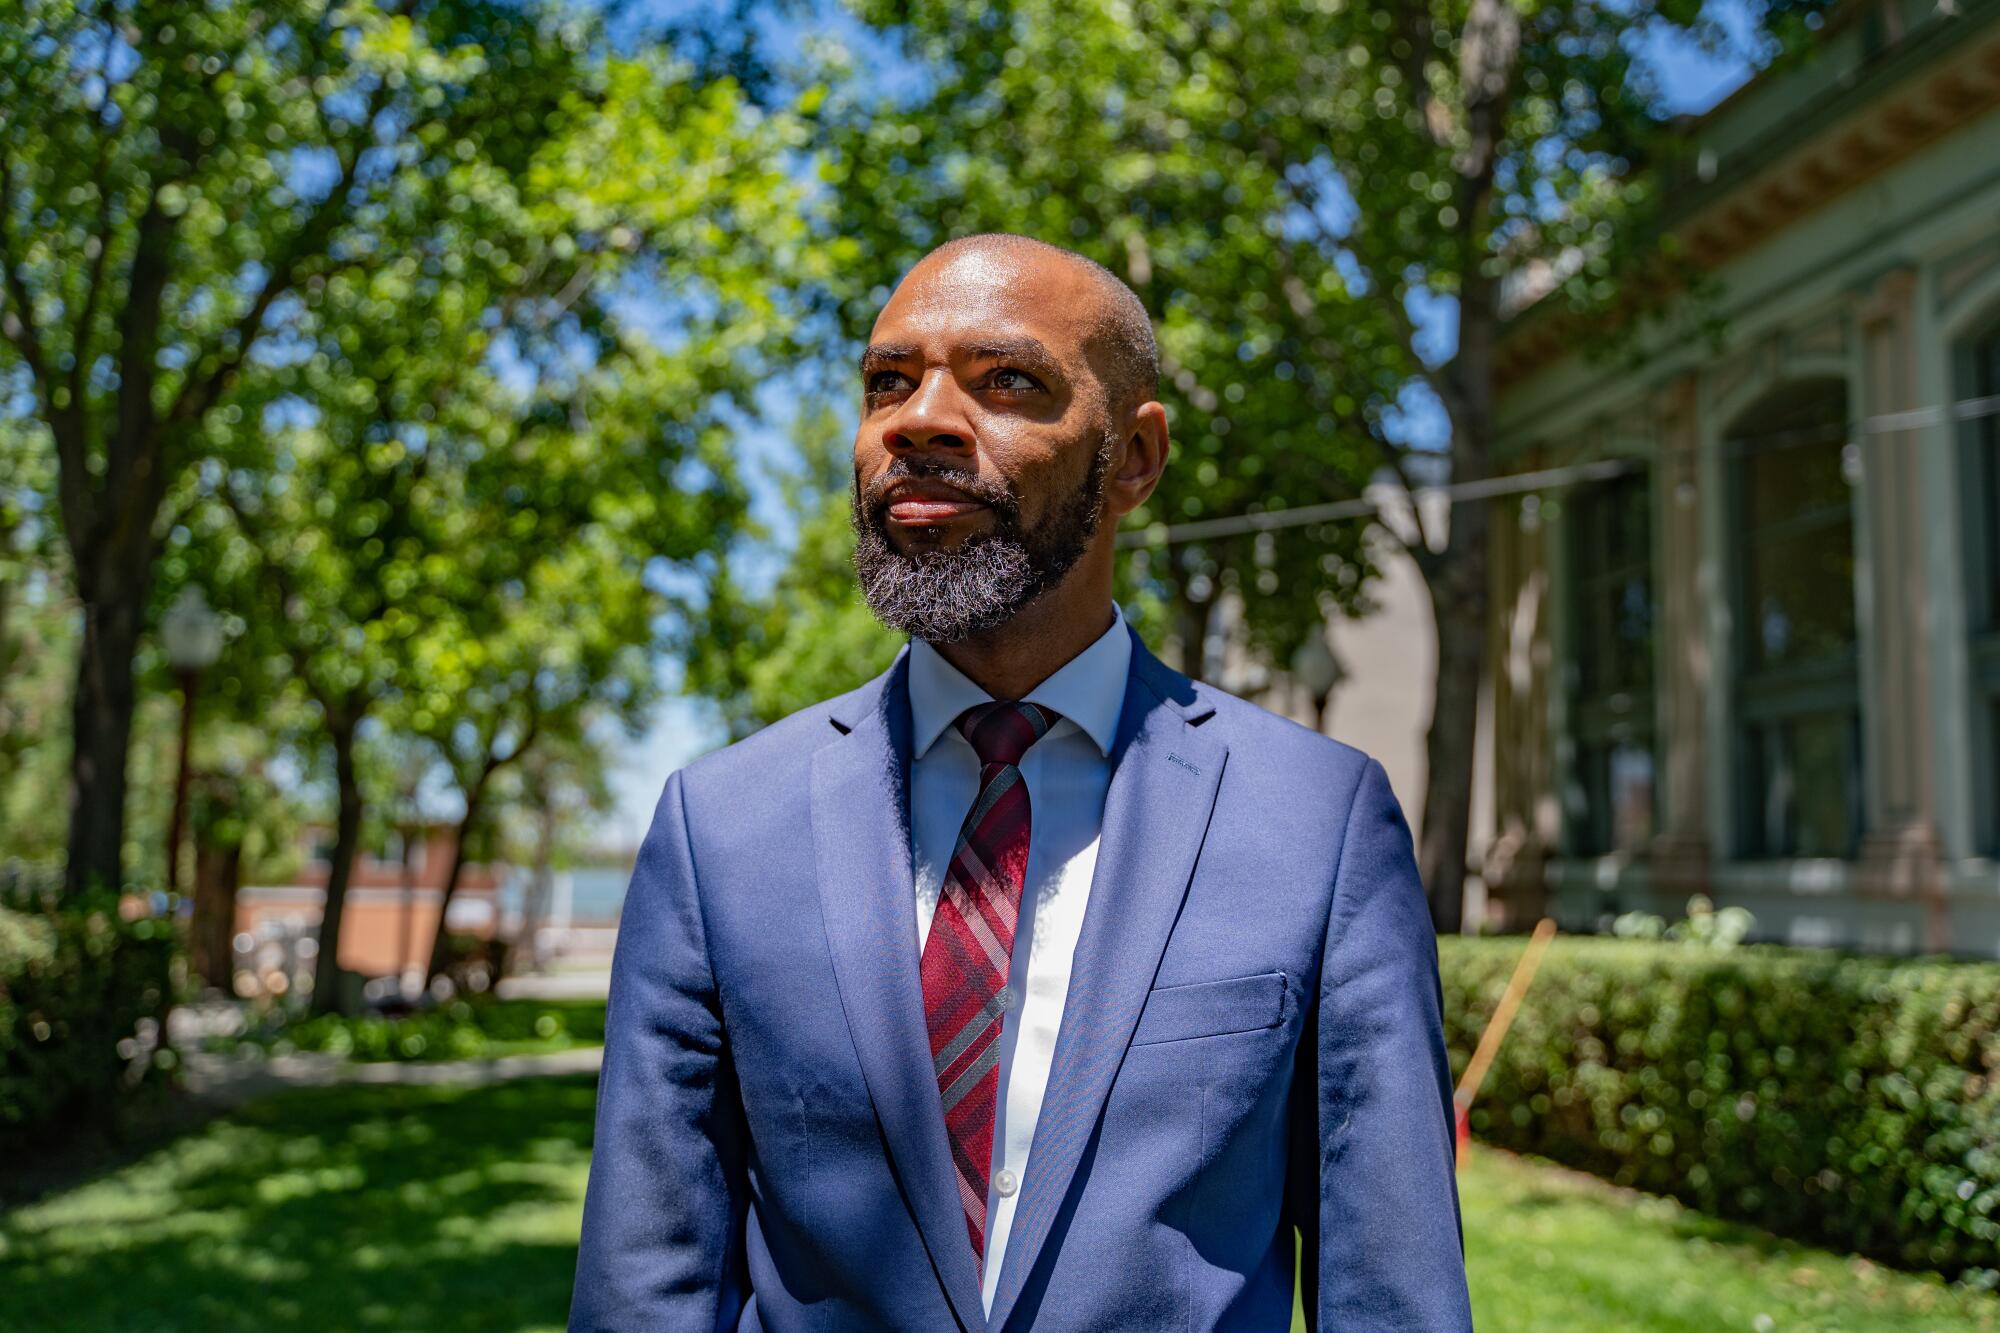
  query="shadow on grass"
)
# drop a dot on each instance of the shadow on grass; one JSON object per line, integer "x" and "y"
{"x": 1535, "y": 1201}
{"x": 345, "y": 1208}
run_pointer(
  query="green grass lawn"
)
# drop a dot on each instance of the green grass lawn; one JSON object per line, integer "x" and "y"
{"x": 457, "y": 1208}
{"x": 1553, "y": 1249}
{"x": 343, "y": 1208}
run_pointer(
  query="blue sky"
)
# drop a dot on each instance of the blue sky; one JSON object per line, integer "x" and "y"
{"x": 1692, "y": 80}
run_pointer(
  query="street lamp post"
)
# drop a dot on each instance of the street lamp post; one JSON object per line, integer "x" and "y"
{"x": 191, "y": 633}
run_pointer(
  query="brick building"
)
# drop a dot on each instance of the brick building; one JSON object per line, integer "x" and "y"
{"x": 392, "y": 900}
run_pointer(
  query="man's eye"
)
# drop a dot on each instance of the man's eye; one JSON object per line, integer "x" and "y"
{"x": 1014, "y": 379}
{"x": 885, "y": 381}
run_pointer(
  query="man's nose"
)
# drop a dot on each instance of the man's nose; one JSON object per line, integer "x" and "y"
{"x": 931, "y": 420}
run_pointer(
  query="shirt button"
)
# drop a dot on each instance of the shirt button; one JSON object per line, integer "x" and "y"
{"x": 1006, "y": 1182}
{"x": 1010, "y": 999}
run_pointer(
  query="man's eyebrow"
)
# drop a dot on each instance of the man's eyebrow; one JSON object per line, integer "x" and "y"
{"x": 1029, "y": 351}
{"x": 877, "y": 355}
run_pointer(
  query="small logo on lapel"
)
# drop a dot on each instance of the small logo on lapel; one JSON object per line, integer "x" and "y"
{"x": 1176, "y": 760}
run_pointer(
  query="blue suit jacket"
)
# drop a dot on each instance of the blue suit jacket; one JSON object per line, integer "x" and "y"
{"x": 1251, "y": 1044}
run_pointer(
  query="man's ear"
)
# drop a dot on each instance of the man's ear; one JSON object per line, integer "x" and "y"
{"x": 1140, "y": 461}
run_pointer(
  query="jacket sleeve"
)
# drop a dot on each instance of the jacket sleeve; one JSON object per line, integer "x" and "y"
{"x": 1386, "y": 1249}
{"x": 663, "y": 1217}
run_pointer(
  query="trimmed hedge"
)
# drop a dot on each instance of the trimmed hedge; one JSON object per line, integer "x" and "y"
{"x": 76, "y": 982}
{"x": 457, "y": 1030}
{"x": 1847, "y": 1101}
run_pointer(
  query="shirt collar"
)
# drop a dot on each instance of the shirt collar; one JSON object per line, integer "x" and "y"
{"x": 1089, "y": 689}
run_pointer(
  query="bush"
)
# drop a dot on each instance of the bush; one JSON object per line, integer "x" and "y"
{"x": 1848, "y": 1101}
{"x": 455, "y": 1030}
{"x": 83, "y": 995}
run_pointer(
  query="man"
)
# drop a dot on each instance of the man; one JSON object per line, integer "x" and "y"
{"x": 1031, "y": 985}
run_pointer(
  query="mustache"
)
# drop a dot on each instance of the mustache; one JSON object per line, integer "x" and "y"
{"x": 873, "y": 498}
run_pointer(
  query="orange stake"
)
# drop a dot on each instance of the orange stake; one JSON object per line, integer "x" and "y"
{"x": 1496, "y": 1030}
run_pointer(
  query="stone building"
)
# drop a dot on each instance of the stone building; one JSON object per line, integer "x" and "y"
{"x": 1763, "y": 662}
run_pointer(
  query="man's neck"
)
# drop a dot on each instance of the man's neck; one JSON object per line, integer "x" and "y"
{"x": 1038, "y": 642}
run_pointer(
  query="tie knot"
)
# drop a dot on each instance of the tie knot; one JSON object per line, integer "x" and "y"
{"x": 1001, "y": 732}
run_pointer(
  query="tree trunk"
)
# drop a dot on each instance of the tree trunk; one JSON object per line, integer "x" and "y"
{"x": 183, "y": 772}
{"x": 1458, "y": 609}
{"x": 101, "y": 728}
{"x": 1457, "y": 579}
{"x": 441, "y": 938}
{"x": 527, "y": 946}
{"x": 407, "y": 953}
{"x": 218, "y": 873}
{"x": 346, "y": 842}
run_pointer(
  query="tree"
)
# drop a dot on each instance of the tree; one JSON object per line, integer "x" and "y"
{"x": 449, "y": 423}
{"x": 1076, "y": 126}
{"x": 765, "y": 649}
{"x": 560, "y": 784}
{"x": 34, "y": 625}
{"x": 1307, "y": 200}
{"x": 539, "y": 664}
{"x": 239, "y": 824}
{"x": 172, "y": 179}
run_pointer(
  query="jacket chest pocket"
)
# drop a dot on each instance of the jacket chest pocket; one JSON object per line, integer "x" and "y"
{"x": 1212, "y": 1009}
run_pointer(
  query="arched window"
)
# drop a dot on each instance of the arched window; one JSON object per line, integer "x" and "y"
{"x": 1797, "y": 690}
{"x": 1979, "y": 364}
{"x": 1612, "y": 617}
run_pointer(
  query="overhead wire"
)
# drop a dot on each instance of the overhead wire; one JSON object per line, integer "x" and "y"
{"x": 1552, "y": 478}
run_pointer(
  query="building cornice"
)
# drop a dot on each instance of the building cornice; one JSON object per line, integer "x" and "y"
{"x": 1939, "y": 78}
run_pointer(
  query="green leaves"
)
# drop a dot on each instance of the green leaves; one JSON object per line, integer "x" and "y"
{"x": 410, "y": 329}
{"x": 1168, "y": 145}
{"x": 1847, "y": 1101}
{"x": 764, "y": 653}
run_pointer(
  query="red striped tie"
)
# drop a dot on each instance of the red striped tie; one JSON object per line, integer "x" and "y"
{"x": 972, "y": 938}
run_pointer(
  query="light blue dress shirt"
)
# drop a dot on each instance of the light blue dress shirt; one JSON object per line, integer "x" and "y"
{"x": 1068, "y": 772}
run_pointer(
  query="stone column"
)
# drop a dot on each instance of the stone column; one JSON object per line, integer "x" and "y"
{"x": 1525, "y": 686}
{"x": 1900, "y": 850}
{"x": 1682, "y": 665}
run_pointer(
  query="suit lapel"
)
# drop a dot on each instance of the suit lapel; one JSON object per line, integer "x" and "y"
{"x": 861, "y": 840}
{"x": 1165, "y": 772}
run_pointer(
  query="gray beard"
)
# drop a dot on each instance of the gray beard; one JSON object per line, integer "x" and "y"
{"x": 946, "y": 596}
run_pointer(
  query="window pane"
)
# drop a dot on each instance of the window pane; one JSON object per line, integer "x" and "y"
{"x": 1798, "y": 540}
{"x": 1821, "y": 745}
{"x": 1793, "y": 468}
{"x": 1986, "y": 384}
{"x": 1993, "y": 758}
{"x": 1612, "y": 560}
{"x": 1801, "y": 586}
{"x": 1807, "y": 771}
{"x": 1629, "y": 796}
{"x": 1617, "y": 789}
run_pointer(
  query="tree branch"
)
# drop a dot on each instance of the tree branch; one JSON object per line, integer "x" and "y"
{"x": 93, "y": 291}
{"x": 274, "y": 581}
{"x": 1413, "y": 30}
{"x": 66, "y": 424}
{"x": 18, "y": 320}
{"x": 198, "y": 394}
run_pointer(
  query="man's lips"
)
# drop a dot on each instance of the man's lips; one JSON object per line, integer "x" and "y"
{"x": 918, "y": 504}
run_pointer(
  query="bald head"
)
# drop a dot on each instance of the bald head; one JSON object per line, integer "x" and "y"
{"x": 1120, "y": 335}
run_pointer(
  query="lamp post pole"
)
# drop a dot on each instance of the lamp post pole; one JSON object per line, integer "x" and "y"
{"x": 192, "y": 636}
{"x": 177, "y": 821}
